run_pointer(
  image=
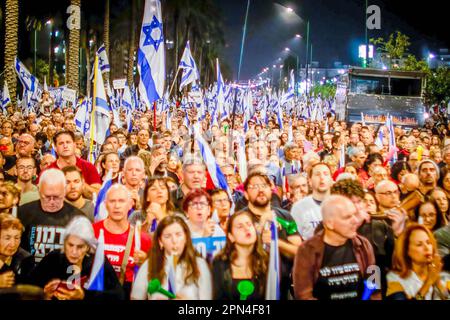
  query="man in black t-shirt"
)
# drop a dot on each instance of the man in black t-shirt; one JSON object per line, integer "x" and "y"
{"x": 335, "y": 263}
{"x": 45, "y": 219}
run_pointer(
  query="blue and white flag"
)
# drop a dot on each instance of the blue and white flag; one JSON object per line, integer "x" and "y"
{"x": 100, "y": 212}
{"x": 342, "y": 156}
{"x": 103, "y": 59}
{"x": 392, "y": 144}
{"x": 101, "y": 108}
{"x": 6, "y": 99}
{"x": 220, "y": 91}
{"x": 216, "y": 174}
{"x": 127, "y": 101}
{"x": 151, "y": 54}
{"x": 190, "y": 71}
{"x": 290, "y": 94}
{"x": 273, "y": 277}
{"x": 171, "y": 278}
{"x": 97, "y": 278}
{"x": 82, "y": 116}
{"x": 380, "y": 138}
{"x": 28, "y": 81}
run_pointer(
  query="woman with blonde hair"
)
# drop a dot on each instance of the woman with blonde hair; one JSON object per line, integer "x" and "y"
{"x": 9, "y": 198}
{"x": 416, "y": 267}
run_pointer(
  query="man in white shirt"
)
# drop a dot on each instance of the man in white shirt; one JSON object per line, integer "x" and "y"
{"x": 306, "y": 212}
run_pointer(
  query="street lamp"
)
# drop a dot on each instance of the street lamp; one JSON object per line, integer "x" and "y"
{"x": 298, "y": 36}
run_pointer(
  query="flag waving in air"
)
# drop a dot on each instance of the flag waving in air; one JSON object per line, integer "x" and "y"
{"x": 190, "y": 71}
{"x": 103, "y": 59}
{"x": 97, "y": 278}
{"x": 151, "y": 55}
{"x": 28, "y": 81}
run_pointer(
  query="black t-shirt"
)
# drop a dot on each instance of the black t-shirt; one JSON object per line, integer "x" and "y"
{"x": 339, "y": 275}
{"x": 44, "y": 231}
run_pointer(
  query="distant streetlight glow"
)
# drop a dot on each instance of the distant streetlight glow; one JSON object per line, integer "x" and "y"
{"x": 298, "y": 36}
{"x": 431, "y": 56}
{"x": 290, "y": 10}
{"x": 287, "y": 49}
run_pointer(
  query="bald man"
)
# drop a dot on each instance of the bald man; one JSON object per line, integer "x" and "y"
{"x": 334, "y": 263}
{"x": 410, "y": 182}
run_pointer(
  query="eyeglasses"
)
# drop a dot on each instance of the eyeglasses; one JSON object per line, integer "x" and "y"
{"x": 198, "y": 205}
{"x": 257, "y": 186}
{"x": 52, "y": 198}
{"x": 24, "y": 142}
{"x": 389, "y": 193}
{"x": 25, "y": 168}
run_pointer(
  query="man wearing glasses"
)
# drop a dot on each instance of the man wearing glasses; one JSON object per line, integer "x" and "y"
{"x": 45, "y": 219}
{"x": 26, "y": 170}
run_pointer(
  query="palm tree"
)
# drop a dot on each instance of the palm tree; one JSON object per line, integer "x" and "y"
{"x": 74, "y": 47}
{"x": 132, "y": 43}
{"x": 11, "y": 43}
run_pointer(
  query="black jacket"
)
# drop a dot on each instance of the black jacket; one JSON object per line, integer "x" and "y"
{"x": 55, "y": 266}
{"x": 22, "y": 264}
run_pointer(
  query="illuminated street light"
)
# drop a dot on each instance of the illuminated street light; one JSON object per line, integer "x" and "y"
{"x": 298, "y": 36}
{"x": 290, "y": 10}
{"x": 48, "y": 22}
{"x": 287, "y": 49}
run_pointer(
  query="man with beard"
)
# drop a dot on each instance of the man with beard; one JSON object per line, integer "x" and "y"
{"x": 428, "y": 173}
{"x": 74, "y": 188}
{"x": 306, "y": 212}
{"x": 159, "y": 162}
{"x": 258, "y": 192}
{"x": 26, "y": 169}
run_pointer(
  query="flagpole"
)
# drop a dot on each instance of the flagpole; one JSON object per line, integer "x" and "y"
{"x": 174, "y": 80}
{"x": 154, "y": 116}
{"x": 91, "y": 143}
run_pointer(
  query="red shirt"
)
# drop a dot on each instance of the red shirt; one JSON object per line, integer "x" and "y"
{"x": 88, "y": 170}
{"x": 115, "y": 248}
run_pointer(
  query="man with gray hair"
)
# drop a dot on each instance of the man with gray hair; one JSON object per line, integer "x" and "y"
{"x": 134, "y": 175}
{"x": 194, "y": 177}
{"x": 334, "y": 263}
{"x": 44, "y": 220}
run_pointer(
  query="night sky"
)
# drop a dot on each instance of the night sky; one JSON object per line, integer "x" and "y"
{"x": 337, "y": 28}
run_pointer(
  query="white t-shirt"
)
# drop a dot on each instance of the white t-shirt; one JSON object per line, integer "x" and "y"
{"x": 201, "y": 291}
{"x": 412, "y": 284}
{"x": 307, "y": 215}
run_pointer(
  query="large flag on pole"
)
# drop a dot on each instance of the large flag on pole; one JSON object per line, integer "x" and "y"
{"x": 220, "y": 90}
{"x": 151, "y": 55}
{"x": 103, "y": 59}
{"x": 28, "y": 81}
{"x": 289, "y": 95}
{"x": 190, "y": 71}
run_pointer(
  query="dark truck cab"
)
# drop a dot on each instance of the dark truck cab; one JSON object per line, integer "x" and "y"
{"x": 375, "y": 94}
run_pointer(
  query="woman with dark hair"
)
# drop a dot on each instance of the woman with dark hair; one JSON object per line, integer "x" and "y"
{"x": 110, "y": 161}
{"x": 373, "y": 160}
{"x": 198, "y": 209}
{"x": 416, "y": 267}
{"x": 242, "y": 259}
{"x": 444, "y": 182}
{"x": 439, "y": 196}
{"x": 399, "y": 169}
{"x": 428, "y": 214}
{"x": 173, "y": 244}
{"x": 156, "y": 205}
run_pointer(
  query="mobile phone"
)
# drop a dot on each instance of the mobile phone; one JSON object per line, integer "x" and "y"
{"x": 66, "y": 285}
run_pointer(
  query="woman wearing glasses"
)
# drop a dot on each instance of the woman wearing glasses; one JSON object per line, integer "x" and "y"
{"x": 198, "y": 208}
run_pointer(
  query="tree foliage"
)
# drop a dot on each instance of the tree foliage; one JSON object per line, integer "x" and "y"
{"x": 438, "y": 86}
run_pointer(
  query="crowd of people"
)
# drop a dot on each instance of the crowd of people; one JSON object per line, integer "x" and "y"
{"x": 353, "y": 219}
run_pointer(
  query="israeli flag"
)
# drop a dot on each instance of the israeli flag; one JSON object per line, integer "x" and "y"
{"x": 97, "y": 278}
{"x": 6, "y": 99}
{"x": 28, "y": 81}
{"x": 100, "y": 212}
{"x": 380, "y": 138}
{"x": 213, "y": 168}
{"x": 82, "y": 116}
{"x": 190, "y": 71}
{"x": 220, "y": 90}
{"x": 279, "y": 114}
{"x": 151, "y": 54}
{"x": 290, "y": 132}
{"x": 103, "y": 59}
{"x": 273, "y": 277}
{"x": 290, "y": 94}
{"x": 100, "y": 108}
{"x": 171, "y": 279}
{"x": 392, "y": 144}
{"x": 127, "y": 101}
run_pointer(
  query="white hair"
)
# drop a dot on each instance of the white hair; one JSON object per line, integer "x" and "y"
{"x": 131, "y": 159}
{"x": 382, "y": 184}
{"x": 52, "y": 177}
{"x": 345, "y": 176}
{"x": 118, "y": 186}
{"x": 81, "y": 227}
